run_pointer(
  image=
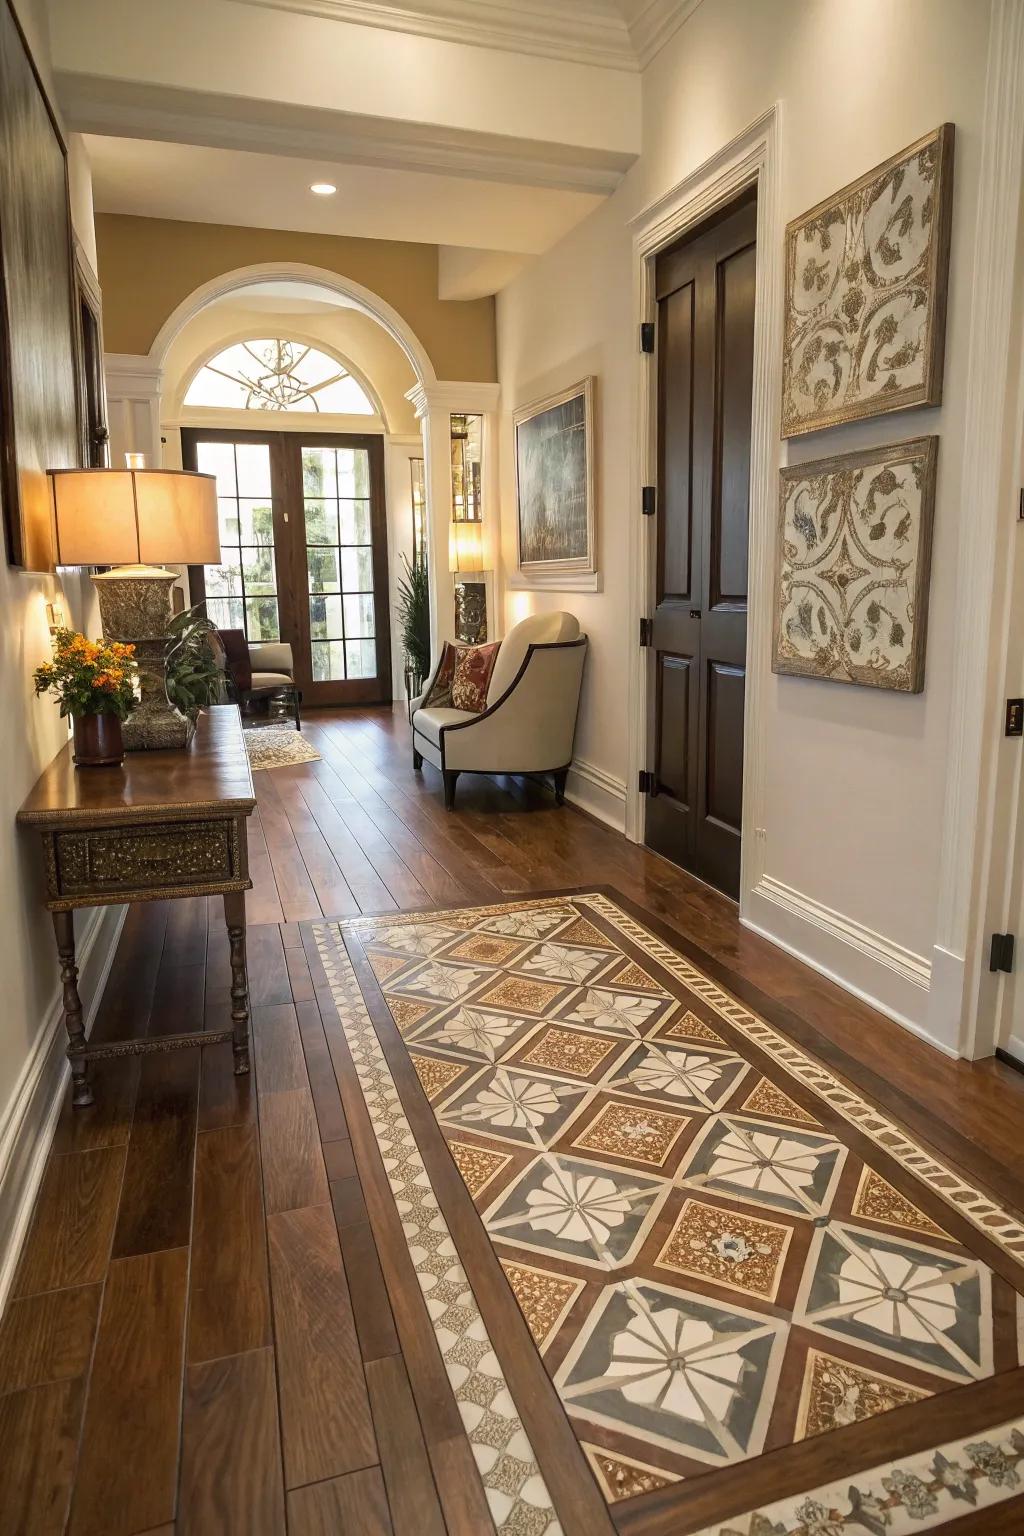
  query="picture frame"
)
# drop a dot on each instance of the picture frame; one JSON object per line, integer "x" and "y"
{"x": 866, "y": 282}
{"x": 853, "y": 566}
{"x": 40, "y": 409}
{"x": 556, "y": 533}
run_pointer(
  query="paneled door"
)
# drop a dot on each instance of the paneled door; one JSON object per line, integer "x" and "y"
{"x": 705, "y": 295}
{"x": 303, "y": 533}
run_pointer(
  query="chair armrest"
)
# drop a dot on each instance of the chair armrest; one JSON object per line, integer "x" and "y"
{"x": 415, "y": 704}
{"x": 531, "y": 728}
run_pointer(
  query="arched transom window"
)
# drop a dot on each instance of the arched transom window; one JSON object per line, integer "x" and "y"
{"x": 278, "y": 375}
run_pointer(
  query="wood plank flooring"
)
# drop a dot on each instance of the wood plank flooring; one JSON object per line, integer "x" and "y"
{"x": 209, "y": 1331}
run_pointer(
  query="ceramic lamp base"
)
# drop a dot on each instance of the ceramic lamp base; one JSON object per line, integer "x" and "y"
{"x": 135, "y": 608}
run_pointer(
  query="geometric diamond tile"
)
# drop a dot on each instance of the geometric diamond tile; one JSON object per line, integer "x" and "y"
{"x": 917, "y": 1304}
{"x": 513, "y": 1107}
{"x": 485, "y": 947}
{"x": 582, "y": 932}
{"x": 435, "y": 1075}
{"x": 406, "y": 1013}
{"x": 773, "y": 1165}
{"x": 414, "y": 938}
{"x": 633, "y": 1131}
{"x": 742, "y": 1252}
{"x": 619, "y": 1013}
{"x": 544, "y": 1299}
{"x": 474, "y": 1032}
{"x": 689, "y": 1027}
{"x": 676, "y": 1369}
{"x": 384, "y": 966}
{"x": 530, "y": 923}
{"x": 477, "y": 1165}
{"x": 770, "y": 1101}
{"x": 836, "y": 1393}
{"x": 620, "y": 1477}
{"x": 440, "y": 981}
{"x": 701, "y": 1079}
{"x": 879, "y": 1201}
{"x": 569, "y": 1051}
{"x": 518, "y": 992}
{"x": 560, "y": 963}
{"x": 594, "y": 1216}
{"x": 633, "y": 975}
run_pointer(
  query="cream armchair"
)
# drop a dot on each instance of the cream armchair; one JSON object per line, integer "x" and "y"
{"x": 530, "y": 719}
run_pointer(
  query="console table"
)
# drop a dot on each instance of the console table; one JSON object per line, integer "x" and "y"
{"x": 164, "y": 824}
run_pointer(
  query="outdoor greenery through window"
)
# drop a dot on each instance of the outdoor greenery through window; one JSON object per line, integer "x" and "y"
{"x": 241, "y": 592}
{"x": 277, "y": 375}
{"x": 339, "y": 560}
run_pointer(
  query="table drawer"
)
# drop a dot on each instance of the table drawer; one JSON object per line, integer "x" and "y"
{"x": 146, "y": 858}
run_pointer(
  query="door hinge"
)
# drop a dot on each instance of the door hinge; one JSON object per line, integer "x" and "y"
{"x": 649, "y": 500}
{"x": 646, "y": 782}
{"x": 647, "y": 336}
{"x": 1001, "y": 954}
{"x": 646, "y": 633}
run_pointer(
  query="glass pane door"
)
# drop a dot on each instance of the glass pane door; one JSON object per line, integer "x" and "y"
{"x": 241, "y": 592}
{"x": 339, "y": 563}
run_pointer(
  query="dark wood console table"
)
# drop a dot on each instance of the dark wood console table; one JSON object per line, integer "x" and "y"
{"x": 164, "y": 824}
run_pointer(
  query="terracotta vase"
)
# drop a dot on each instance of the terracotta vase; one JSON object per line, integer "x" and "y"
{"x": 98, "y": 741}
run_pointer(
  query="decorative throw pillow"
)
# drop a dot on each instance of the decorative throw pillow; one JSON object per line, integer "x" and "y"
{"x": 472, "y": 677}
{"x": 440, "y": 695}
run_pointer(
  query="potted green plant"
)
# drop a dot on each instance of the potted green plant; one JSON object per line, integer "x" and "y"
{"x": 192, "y": 674}
{"x": 414, "y": 617}
{"x": 94, "y": 681}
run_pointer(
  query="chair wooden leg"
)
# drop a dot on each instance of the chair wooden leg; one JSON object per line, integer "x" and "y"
{"x": 296, "y": 701}
{"x": 417, "y": 761}
{"x": 451, "y": 778}
{"x": 560, "y": 777}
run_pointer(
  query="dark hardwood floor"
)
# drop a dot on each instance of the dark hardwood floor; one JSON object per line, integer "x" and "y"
{"x": 199, "y": 1337}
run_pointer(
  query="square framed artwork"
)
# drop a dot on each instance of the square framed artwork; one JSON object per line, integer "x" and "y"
{"x": 555, "y": 502}
{"x": 866, "y": 280}
{"x": 854, "y": 558}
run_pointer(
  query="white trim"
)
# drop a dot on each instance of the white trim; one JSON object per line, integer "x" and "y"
{"x": 572, "y": 581}
{"x": 449, "y": 395}
{"x": 657, "y": 21}
{"x": 963, "y": 859}
{"x": 284, "y": 333}
{"x": 882, "y": 951}
{"x": 30, "y": 1117}
{"x": 751, "y": 157}
{"x": 600, "y": 793}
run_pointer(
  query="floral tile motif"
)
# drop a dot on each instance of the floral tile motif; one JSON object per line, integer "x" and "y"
{"x": 475, "y": 1033}
{"x": 564, "y": 962}
{"x": 412, "y": 938}
{"x": 593, "y": 1216}
{"x": 440, "y": 981}
{"x": 787, "y": 1169}
{"x": 928, "y": 1308}
{"x": 622, "y": 1477}
{"x": 520, "y": 992}
{"x": 513, "y": 1107}
{"x": 699, "y": 1078}
{"x": 435, "y": 1076}
{"x": 836, "y": 1393}
{"x": 531, "y": 922}
{"x": 477, "y": 1165}
{"x": 770, "y": 1102}
{"x": 620, "y": 1013}
{"x": 879, "y": 1201}
{"x": 744, "y": 1253}
{"x": 568, "y": 1051}
{"x": 636, "y": 1132}
{"x": 675, "y": 1369}
{"x": 544, "y": 1298}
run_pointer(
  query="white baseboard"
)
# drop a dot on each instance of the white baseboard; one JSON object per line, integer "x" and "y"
{"x": 600, "y": 793}
{"x": 882, "y": 973}
{"x": 28, "y": 1122}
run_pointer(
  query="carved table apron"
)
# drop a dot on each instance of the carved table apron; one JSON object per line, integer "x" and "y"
{"x": 166, "y": 824}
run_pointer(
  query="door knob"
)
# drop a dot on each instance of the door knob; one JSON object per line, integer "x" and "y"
{"x": 694, "y": 613}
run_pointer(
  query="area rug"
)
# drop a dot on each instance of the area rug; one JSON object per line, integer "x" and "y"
{"x": 725, "y": 1256}
{"x": 277, "y": 746}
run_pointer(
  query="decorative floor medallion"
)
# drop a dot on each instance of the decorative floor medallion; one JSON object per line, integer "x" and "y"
{"x": 719, "y": 1249}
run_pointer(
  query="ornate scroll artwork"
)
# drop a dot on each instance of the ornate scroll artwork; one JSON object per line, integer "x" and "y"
{"x": 851, "y": 598}
{"x": 866, "y": 292}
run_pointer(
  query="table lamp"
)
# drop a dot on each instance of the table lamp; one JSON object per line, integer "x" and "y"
{"x": 137, "y": 520}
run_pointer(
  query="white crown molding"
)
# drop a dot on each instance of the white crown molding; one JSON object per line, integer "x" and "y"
{"x": 652, "y": 24}
{"x": 452, "y": 396}
{"x": 555, "y": 29}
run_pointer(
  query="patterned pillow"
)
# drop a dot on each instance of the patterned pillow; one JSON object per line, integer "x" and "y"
{"x": 472, "y": 677}
{"x": 440, "y": 695}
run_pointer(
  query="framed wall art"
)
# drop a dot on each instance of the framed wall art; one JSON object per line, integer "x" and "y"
{"x": 866, "y": 277}
{"x": 555, "y": 502}
{"x": 854, "y": 555}
{"x": 39, "y": 424}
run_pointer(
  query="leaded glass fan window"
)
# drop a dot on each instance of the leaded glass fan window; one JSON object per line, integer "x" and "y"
{"x": 277, "y": 375}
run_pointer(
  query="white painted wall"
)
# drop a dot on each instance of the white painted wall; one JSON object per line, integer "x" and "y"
{"x": 855, "y": 778}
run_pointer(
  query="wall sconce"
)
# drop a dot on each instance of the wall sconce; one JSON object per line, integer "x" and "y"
{"x": 465, "y": 547}
{"x": 55, "y": 616}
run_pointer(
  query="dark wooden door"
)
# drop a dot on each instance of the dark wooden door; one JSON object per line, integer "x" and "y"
{"x": 705, "y": 294}
{"x": 304, "y": 553}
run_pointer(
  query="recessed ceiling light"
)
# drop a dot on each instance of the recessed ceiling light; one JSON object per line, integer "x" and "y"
{"x": 323, "y": 188}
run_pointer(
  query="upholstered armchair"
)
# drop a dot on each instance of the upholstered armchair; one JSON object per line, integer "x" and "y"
{"x": 260, "y": 670}
{"x": 529, "y": 722}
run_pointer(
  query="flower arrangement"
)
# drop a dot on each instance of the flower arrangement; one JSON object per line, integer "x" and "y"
{"x": 89, "y": 677}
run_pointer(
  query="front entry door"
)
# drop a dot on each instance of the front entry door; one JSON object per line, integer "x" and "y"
{"x": 304, "y": 557}
{"x": 705, "y": 294}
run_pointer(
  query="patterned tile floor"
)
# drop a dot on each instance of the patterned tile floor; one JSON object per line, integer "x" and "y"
{"x": 708, "y": 1266}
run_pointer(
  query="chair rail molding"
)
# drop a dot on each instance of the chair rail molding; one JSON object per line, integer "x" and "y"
{"x": 751, "y": 157}
{"x": 965, "y": 850}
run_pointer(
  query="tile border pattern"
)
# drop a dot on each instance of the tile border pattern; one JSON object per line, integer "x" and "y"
{"x": 516, "y": 1492}
{"x": 915, "y": 1493}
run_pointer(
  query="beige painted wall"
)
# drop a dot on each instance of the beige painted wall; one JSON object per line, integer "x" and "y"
{"x": 855, "y": 777}
{"x": 148, "y": 266}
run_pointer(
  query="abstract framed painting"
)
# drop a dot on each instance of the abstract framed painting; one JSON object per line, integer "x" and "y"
{"x": 39, "y": 422}
{"x": 854, "y": 557}
{"x": 555, "y": 501}
{"x": 866, "y": 281}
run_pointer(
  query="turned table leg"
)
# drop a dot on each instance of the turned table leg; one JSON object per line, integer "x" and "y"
{"x": 234, "y": 916}
{"x": 64, "y": 929}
